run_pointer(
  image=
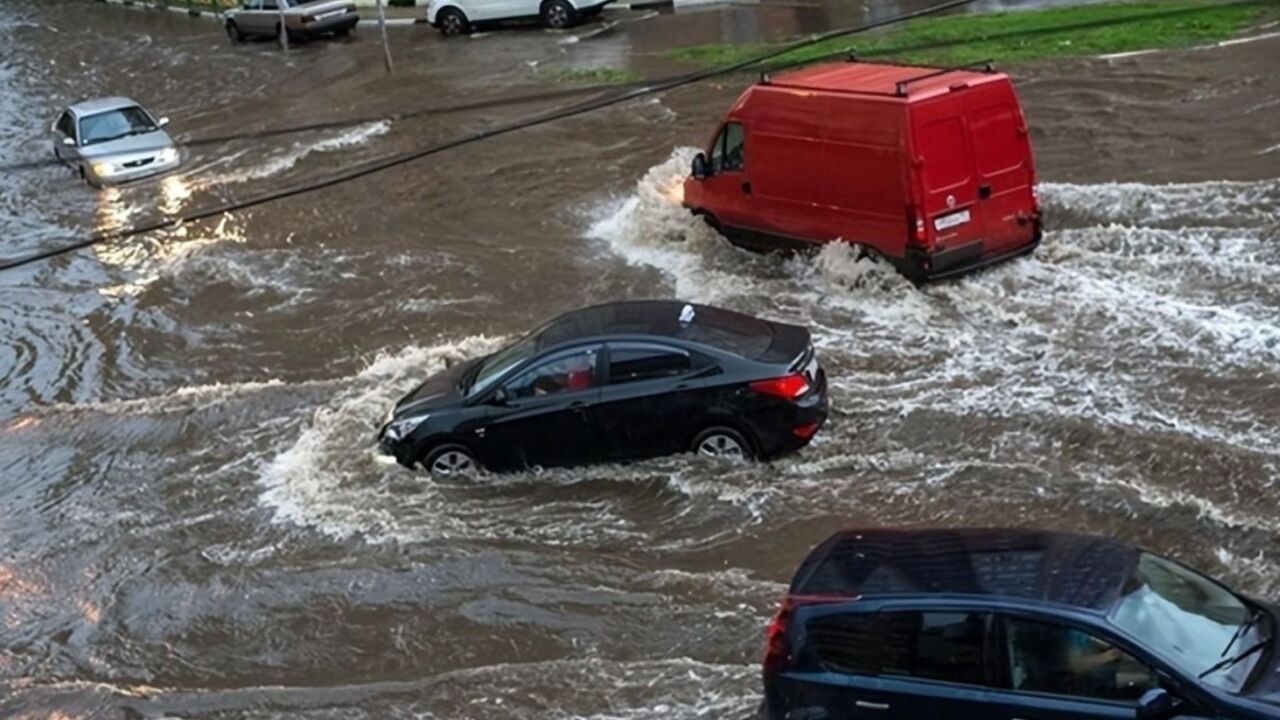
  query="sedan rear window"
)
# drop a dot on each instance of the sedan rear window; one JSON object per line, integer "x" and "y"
{"x": 729, "y": 331}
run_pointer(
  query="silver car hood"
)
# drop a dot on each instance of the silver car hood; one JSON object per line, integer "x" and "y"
{"x": 134, "y": 144}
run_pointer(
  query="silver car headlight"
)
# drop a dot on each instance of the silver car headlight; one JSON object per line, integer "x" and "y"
{"x": 167, "y": 155}
{"x": 399, "y": 429}
{"x": 104, "y": 169}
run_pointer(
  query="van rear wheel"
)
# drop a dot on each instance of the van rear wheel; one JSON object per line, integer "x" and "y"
{"x": 559, "y": 15}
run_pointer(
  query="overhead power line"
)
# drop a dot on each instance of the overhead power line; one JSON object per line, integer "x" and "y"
{"x": 383, "y": 164}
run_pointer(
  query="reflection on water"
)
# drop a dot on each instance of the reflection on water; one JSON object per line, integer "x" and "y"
{"x": 174, "y": 193}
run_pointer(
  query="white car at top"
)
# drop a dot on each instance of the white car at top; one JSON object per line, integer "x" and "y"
{"x": 457, "y": 17}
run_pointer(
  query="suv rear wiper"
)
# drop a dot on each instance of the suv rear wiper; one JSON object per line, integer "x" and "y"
{"x": 1232, "y": 661}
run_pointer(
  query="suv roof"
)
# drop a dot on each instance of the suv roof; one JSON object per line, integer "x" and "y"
{"x": 715, "y": 327}
{"x": 1082, "y": 571}
{"x": 877, "y": 79}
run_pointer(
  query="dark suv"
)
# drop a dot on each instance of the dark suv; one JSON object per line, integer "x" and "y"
{"x": 1009, "y": 625}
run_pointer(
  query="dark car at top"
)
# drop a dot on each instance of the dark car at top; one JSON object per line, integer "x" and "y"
{"x": 1009, "y": 624}
{"x": 618, "y": 382}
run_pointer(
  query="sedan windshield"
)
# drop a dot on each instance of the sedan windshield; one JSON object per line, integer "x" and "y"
{"x": 115, "y": 124}
{"x": 497, "y": 365}
{"x": 1190, "y": 621}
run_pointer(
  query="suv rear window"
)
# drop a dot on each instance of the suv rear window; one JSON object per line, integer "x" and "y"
{"x": 943, "y": 646}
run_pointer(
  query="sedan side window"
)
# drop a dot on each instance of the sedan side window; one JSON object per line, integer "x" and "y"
{"x": 636, "y": 364}
{"x": 944, "y": 646}
{"x": 67, "y": 126}
{"x": 566, "y": 373}
{"x": 1059, "y": 660}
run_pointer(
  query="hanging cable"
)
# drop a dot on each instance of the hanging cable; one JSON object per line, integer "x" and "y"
{"x": 388, "y": 163}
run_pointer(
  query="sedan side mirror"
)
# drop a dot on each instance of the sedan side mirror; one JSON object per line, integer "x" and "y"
{"x": 69, "y": 142}
{"x": 700, "y": 167}
{"x": 1158, "y": 704}
{"x": 499, "y": 397}
{"x": 162, "y": 122}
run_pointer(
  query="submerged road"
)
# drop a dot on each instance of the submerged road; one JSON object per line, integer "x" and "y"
{"x": 193, "y": 522}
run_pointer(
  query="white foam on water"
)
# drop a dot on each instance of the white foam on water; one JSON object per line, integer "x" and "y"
{"x": 1170, "y": 205}
{"x": 322, "y": 480}
{"x": 359, "y": 135}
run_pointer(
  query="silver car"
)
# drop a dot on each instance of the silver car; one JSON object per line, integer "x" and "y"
{"x": 112, "y": 141}
{"x": 304, "y": 20}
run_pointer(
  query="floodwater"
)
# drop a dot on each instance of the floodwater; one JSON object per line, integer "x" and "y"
{"x": 193, "y": 522}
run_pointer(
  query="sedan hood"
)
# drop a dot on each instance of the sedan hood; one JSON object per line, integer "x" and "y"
{"x": 133, "y": 144}
{"x": 439, "y": 390}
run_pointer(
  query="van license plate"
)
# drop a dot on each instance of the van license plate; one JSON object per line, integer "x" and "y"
{"x": 952, "y": 220}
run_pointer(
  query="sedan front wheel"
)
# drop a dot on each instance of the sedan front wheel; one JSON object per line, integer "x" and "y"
{"x": 448, "y": 460}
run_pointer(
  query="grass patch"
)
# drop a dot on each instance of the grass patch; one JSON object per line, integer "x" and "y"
{"x": 589, "y": 76}
{"x": 1025, "y": 35}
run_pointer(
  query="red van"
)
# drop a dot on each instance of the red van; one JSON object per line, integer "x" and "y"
{"x": 930, "y": 168}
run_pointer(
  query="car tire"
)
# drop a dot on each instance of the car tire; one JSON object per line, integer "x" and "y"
{"x": 233, "y": 33}
{"x": 452, "y": 22}
{"x": 450, "y": 459}
{"x": 559, "y": 15}
{"x": 722, "y": 443}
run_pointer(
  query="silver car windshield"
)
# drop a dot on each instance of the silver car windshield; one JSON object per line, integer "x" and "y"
{"x": 1190, "y": 621}
{"x": 115, "y": 124}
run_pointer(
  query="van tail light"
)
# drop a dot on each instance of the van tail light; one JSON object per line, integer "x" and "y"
{"x": 777, "y": 652}
{"x": 917, "y": 234}
{"x": 791, "y": 387}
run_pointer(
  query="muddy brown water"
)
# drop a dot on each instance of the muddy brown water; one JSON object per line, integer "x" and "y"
{"x": 193, "y": 522}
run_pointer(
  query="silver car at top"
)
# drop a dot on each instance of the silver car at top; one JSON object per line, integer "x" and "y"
{"x": 113, "y": 140}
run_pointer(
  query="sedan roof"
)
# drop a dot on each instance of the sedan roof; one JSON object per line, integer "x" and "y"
{"x": 716, "y": 327}
{"x": 1083, "y": 571}
{"x": 90, "y": 107}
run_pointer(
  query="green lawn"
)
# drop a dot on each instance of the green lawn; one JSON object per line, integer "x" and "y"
{"x": 1026, "y": 35}
{"x": 590, "y": 76}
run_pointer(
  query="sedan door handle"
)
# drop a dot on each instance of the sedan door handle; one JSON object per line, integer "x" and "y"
{"x": 865, "y": 705}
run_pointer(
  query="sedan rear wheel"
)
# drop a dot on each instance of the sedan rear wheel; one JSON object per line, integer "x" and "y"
{"x": 448, "y": 460}
{"x": 233, "y": 32}
{"x": 722, "y": 443}
{"x": 452, "y": 22}
{"x": 559, "y": 14}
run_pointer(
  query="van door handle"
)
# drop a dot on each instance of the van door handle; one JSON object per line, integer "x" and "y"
{"x": 746, "y": 188}
{"x": 872, "y": 705}
{"x": 984, "y": 192}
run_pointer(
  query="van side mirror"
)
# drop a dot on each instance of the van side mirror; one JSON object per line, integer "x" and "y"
{"x": 162, "y": 122}
{"x": 1158, "y": 704}
{"x": 700, "y": 167}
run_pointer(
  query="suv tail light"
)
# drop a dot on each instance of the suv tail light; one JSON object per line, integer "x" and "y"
{"x": 777, "y": 655}
{"x": 790, "y": 387}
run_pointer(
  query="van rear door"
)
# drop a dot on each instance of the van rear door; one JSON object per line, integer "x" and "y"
{"x": 998, "y": 134}
{"x": 944, "y": 161}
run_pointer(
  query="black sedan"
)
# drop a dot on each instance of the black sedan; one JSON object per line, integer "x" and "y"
{"x": 618, "y": 382}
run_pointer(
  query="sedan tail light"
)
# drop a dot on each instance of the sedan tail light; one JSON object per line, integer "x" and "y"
{"x": 791, "y": 387}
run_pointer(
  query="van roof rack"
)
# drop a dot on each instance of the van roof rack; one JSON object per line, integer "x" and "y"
{"x": 987, "y": 66}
